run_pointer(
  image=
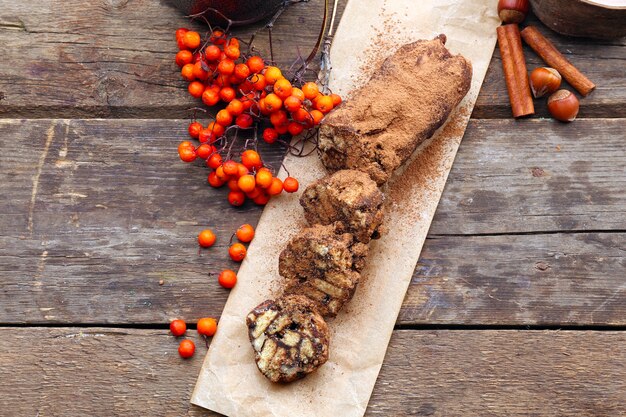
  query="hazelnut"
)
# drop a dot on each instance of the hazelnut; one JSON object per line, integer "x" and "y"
{"x": 563, "y": 105}
{"x": 544, "y": 81}
{"x": 513, "y": 11}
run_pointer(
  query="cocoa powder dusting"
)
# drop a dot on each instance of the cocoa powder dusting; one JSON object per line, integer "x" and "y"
{"x": 425, "y": 166}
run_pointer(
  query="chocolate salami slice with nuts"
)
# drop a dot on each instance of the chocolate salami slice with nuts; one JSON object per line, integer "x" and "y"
{"x": 289, "y": 337}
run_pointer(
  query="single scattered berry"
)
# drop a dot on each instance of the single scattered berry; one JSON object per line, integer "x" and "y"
{"x": 236, "y": 198}
{"x": 237, "y": 252}
{"x": 245, "y": 233}
{"x": 178, "y": 327}
{"x": 227, "y": 278}
{"x": 186, "y": 349}
{"x": 206, "y": 238}
{"x": 207, "y": 326}
{"x": 291, "y": 185}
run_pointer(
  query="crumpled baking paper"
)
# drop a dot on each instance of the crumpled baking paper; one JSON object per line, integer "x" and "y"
{"x": 229, "y": 381}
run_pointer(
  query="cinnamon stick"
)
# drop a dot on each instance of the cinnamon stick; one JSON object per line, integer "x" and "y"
{"x": 548, "y": 52}
{"x": 514, "y": 66}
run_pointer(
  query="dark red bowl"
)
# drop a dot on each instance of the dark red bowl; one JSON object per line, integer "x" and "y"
{"x": 241, "y": 12}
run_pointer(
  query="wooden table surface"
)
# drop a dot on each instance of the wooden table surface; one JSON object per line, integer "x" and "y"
{"x": 517, "y": 306}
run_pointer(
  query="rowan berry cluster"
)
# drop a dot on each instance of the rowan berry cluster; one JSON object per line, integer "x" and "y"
{"x": 253, "y": 96}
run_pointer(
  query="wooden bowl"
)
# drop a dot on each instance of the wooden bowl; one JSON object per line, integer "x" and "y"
{"x": 241, "y": 12}
{"x": 603, "y": 19}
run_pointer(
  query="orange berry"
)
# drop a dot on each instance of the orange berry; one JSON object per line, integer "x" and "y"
{"x": 303, "y": 116}
{"x": 251, "y": 159}
{"x": 187, "y": 154}
{"x": 292, "y": 103}
{"x": 212, "y": 53}
{"x": 235, "y": 107}
{"x": 206, "y": 238}
{"x": 233, "y": 42}
{"x": 236, "y": 198}
{"x": 207, "y": 326}
{"x": 187, "y": 72}
{"x": 204, "y": 151}
{"x": 270, "y": 135}
{"x": 264, "y": 178}
{"x": 255, "y": 63}
{"x": 273, "y": 102}
{"x": 255, "y": 193}
{"x": 262, "y": 199}
{"x": 218, "y": 37}
{"x": 244, "y": 121}
{"x": 227, "y": 94}
{"x": 295, "y": 128}
{"x": 237, "y": 252}
{"x": 310, "y": 90}
{"x": 178, "y": 328}
{"x": 219, "y": 172}
{"x": 194, "y": 129}
{"x": 186, "y": 349}
{"x": 336, "y": 98}
{"x": 291, "y": 185}
{"x": 246, "y": 183}
{"x": 282, "y": 88}
{"x": 241, "y": 71}
{"x": 276, "y": 187}
{"x": 278, "y": 117}
{"x": 216, "y": 128}
{"x": 241, "y": 170}
{"x": 214, "y": 161}
{"x": 232, "y": 185}
{"x": 183, "y": 58}
{"x": 230, "y": 168}
{"x": 226, "y": 66}
{"x": 210, "y": 97}
{"x": 262, "y": 108}
{"x": 222, "y": 80}
{"x": 191, "y": 39}
{"x": 317, "y": 116}
{"x": 227, "y": 278}
{"x": 224, "y": 118}
{"x": 214, "y": 181}
{"x": 297, "y": 93}
{"x": 324, "y": 104}
{"x": 232, "y": 52}
{"x": 245, "y": 233}
{"x": 258, "y": 81}
{"x": 272, "y": 74}
{"x": 199, "y": 72}
{"x": 185, "y": 144}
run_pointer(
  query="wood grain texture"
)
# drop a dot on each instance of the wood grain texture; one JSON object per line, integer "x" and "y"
{"x": 536, "y": 175}
{"x": 101, "y": 211}
{"x": 425, "y": 373}
{"x": 116, "y": 59}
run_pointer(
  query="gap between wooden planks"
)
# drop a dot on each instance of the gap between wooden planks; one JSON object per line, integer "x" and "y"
{"x": 529, "y": 231}
{"x": 487, "y": 373}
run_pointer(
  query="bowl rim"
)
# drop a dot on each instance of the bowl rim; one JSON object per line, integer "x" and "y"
{"x": 604, "y": 6}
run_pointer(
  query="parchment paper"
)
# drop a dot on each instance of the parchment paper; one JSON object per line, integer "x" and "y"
{"x": 229, "y": 381}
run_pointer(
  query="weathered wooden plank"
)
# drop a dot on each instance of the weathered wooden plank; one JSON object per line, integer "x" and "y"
{"x": 138, "y": 372}
{"x": 550, "y": 279}
{"x": 536, "y": 175}
{"x": 101, "y": 211}
{"x": 115, "y": 59}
